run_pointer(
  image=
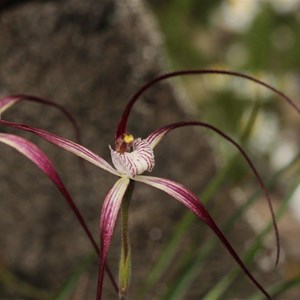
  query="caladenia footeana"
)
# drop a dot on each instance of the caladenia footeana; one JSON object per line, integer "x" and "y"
{"x": 132, "y": 157}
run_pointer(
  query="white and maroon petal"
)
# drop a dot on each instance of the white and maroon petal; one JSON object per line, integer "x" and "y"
{"x": 7, "y": 102}
{"x": 39, "y": 158}
{"x": 65, "y": 144}
{"x": 109, "y": 213}
{"x": 155, "y": 137}
{"x": 130, "y": 164}
{"x": 192, "y": 202}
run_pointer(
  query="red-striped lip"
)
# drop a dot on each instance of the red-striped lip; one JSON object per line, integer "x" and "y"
{"x": 136, "y": 162}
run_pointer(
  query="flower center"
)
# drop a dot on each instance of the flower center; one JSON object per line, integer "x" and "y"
{"x": 124, "y": 143}
{"x": 132, "y": 156}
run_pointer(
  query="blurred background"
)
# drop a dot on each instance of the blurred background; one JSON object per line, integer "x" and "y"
{"x": 258, "y": 37}
{"x": 261, "y": 38}
{"x": 91, "y": 56}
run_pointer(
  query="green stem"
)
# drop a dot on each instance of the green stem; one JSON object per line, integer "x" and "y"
{"x": 125, "y": 260}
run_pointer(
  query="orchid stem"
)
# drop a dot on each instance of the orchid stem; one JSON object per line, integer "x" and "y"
{"x": 125, "y": 261}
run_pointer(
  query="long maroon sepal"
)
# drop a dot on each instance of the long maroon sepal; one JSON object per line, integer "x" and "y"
{"x": 155, "y": 137}
{"x": 121, "y": 128}
{"x": 9, "y": 101}
{"x": 193, "y": 203}
{"x": 65, "y": 144}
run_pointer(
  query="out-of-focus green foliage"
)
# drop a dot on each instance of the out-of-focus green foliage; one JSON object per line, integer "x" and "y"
{"x": 270, "y": 38}
{"x": 258, "y": 37}
{"x": 178, "y": 20}
{"x": 261, "y": 38}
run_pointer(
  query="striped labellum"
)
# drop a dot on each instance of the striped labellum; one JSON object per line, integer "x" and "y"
{"x": 137, "y": 158}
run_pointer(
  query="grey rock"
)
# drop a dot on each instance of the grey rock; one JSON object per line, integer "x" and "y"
{"x": 89, "y": 56}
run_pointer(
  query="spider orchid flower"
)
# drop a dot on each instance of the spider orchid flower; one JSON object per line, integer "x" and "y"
{"x": 132, "y": 157}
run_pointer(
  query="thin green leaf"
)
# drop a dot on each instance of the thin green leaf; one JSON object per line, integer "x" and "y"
{"x": 194, "y": 265}
{"x": 70, "y": 284}
{"x": 219, "y": 289}
{"x": 278, "y": 289}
